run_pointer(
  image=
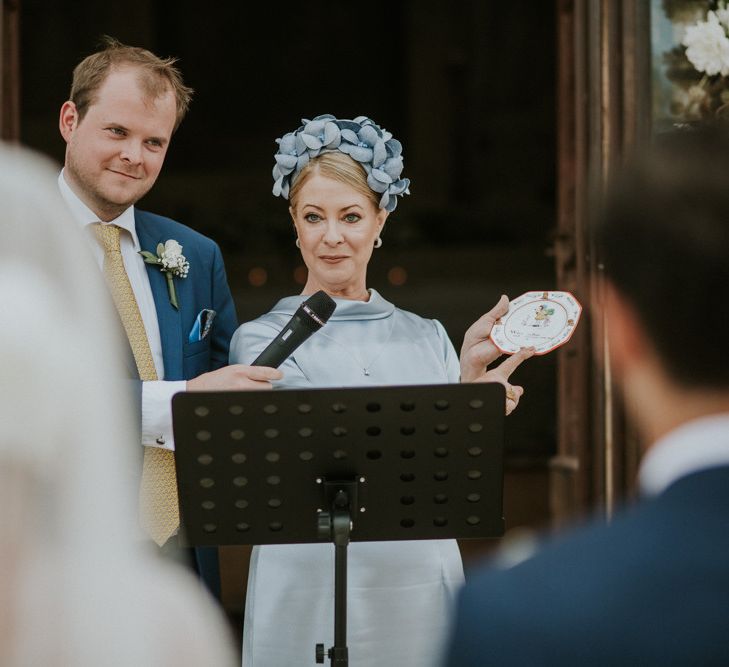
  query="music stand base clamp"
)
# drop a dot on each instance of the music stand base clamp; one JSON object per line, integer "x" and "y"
{"x": 336, "y": 526}
{"x": 339, "y": 657}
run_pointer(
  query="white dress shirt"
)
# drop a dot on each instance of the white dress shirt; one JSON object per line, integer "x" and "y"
{"x": 156, "y": 395}
{"x": 693, "y": 446}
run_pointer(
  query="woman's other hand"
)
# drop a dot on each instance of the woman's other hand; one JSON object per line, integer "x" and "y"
{"x": 478, "y": 351}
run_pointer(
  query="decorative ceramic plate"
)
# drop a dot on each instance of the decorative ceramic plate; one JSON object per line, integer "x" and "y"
{"x": 544, "y": 320}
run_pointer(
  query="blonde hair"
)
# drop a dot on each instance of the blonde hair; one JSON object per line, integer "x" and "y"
{"x": 157, "y": 75}
{"x": 339, "y": 167}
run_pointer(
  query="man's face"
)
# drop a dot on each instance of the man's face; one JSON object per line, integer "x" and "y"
{"x": 115, "y": 153}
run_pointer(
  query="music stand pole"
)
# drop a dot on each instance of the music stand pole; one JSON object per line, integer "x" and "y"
{"x": 336, "y": 525}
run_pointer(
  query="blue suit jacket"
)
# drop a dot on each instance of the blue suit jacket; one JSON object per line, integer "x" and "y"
{"x": 205, "y": 286}
{"x": 651, "y": 588}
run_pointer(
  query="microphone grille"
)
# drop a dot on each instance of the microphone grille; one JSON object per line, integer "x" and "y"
{"x": 321, "y": 304}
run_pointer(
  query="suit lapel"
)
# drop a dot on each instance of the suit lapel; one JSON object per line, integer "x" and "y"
{"x": 168, "y": 317}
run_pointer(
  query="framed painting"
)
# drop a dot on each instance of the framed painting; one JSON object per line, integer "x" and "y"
{"x": 689, "y": 61}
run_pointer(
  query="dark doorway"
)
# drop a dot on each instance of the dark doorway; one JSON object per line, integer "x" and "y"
{"x": 469, "y": 89}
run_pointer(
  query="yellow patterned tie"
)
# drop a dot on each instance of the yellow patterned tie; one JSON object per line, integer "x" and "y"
{"x": 159, "y": 513}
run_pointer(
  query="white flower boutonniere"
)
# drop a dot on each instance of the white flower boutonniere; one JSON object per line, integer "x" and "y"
{"x": 172, "y": 263}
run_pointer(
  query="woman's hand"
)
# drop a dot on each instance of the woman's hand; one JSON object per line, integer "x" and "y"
{"x": 478, "y": 351}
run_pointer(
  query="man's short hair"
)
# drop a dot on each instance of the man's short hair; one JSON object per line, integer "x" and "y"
{"x": 157, "y": 75}
{"x": 664, "y": 235}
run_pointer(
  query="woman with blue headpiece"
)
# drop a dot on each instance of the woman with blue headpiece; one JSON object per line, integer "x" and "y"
{"x": 342, "y": 179}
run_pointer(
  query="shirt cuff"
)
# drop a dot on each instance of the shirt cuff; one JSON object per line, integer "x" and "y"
{"x": 157, "y": 412}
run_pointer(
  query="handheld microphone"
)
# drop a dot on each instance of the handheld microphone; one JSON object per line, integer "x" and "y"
{"x": 310, "y": 316}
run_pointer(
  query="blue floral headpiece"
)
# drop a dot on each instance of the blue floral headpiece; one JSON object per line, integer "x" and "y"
{"x": 361, "y": 139}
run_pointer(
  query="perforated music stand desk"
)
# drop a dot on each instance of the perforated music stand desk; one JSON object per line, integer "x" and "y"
{"x": 363, "y": 464}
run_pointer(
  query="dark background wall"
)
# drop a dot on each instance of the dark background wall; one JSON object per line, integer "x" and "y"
{"x": 467, "y": 86}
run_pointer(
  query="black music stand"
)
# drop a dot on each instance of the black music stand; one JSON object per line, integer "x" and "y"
{"x": 362, "y": 464}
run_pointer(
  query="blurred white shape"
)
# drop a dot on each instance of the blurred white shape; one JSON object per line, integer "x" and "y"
{"x": 77, "y": 585}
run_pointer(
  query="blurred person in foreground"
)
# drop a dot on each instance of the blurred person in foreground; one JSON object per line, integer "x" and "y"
{"x": 651, "y": 587}
{"x": 342, "y": 180}
{"x": 167, "y": 281}
{"x": 76, "y": 588}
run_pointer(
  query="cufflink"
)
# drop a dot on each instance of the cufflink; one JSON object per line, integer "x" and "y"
{"x": 160, "y": 440}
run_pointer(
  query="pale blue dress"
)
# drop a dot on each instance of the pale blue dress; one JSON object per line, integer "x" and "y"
{"x": 399, "y": 593}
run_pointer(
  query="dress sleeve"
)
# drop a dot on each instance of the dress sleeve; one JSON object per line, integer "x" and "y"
{"x": 251, "y": 338}
{"x": 450, "y": 356}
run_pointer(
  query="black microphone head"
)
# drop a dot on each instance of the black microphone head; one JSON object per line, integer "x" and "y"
{"x": 319, "y": 308}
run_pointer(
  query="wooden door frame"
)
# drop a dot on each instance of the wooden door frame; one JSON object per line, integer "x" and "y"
{"x": 10, "y": 70}
{"x": 603, "y": 112}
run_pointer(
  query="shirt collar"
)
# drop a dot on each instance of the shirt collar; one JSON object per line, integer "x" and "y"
{"x": 84, "y": 216}
{"x": 696, "y": 445}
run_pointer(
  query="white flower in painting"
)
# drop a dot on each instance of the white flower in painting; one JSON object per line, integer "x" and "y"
{"x": 707, "y": 46}
{"x": 722, "y": 13}
{"x": 723, "y": 16}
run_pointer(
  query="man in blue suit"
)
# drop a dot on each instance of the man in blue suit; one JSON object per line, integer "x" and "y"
{"x": 651, "y": 587}
{"x": 176, "y": 308}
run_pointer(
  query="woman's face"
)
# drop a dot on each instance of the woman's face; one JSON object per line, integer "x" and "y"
{"x": 337, "y": 227}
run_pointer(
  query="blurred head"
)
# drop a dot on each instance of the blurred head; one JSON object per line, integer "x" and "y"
{"x": 69, "y": 472}
{"x": 664, "y": 234}
{"x": 125, "y": 105}
{"x": 337, "y": 221}
{"x": 55, "y": 450}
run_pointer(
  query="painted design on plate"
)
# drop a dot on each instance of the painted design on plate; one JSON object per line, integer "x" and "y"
{"x": 544, "y": 320}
